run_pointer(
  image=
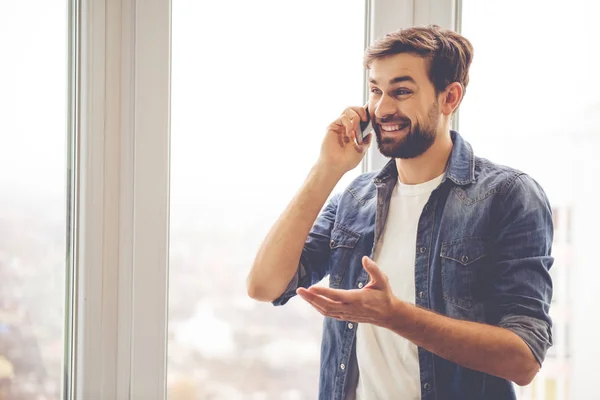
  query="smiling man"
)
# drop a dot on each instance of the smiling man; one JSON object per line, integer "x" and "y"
{"x": 438, "y": 264}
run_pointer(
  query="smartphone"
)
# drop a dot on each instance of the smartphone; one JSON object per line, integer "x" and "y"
{"x": 365, "y": 128}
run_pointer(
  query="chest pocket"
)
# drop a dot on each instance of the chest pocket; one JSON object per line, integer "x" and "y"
{"x": 342, "y": 244}
{"x": 462, "y": 269}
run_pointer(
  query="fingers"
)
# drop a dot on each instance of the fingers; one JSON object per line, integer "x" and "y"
{"x": 357, "y": 112}
{"x": 367, "y": 140}
{"x": 356, "y": 115}
{"x": 349, "y": 127}
{"x": 340, "y": 296}
{"x": 337, "y": 128}
{"x": 351, "y": 115}
{"x": 364, "y": 145}
{"x": 324, "y": 305}
{"x": 377, "y": 276}
{"x": 370, "y": 267}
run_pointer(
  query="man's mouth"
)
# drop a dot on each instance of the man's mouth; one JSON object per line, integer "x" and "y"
{"x": 392, "y": 128}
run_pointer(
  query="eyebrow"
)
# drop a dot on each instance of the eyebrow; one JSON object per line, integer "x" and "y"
{"x": 398, "y": 79}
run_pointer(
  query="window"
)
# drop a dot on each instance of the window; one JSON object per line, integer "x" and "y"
{"x": 551, "y": 392}
{"x": 33, "y": 197}
{"x": 532, "y": 104}
{"x": 252, "y": 96}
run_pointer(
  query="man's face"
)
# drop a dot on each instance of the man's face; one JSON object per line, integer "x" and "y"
{"x": 403, "y": 105}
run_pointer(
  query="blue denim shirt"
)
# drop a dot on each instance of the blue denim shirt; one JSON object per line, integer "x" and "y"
{"x": 482, "y": 254}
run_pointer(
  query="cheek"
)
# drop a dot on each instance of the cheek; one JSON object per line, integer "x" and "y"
{"x": 409, "y": 112}
{"x": 420, "y": 115}
{"x": 411, "y": 109}
{"x": 372, "y": 106}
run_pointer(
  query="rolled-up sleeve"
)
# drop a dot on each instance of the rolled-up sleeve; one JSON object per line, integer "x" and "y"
{"x": 534, "y": 332}
{"x": 314, "y": 261}
{"x": 521, "y": 283}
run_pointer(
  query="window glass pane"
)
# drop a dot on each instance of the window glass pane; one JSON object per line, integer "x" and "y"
{"x": 33, "y": 197}
{"x": 254, "y": 86}
{"x": 532, "y": 103}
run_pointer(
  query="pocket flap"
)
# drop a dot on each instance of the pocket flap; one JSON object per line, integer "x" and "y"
{"x": 343, "y": 237}
{"x": 465, "y": 250}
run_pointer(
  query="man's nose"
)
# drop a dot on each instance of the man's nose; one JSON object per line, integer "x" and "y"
{"x": 385, "y": 107}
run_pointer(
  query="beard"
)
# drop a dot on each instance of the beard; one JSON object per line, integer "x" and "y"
{"x": 417, "y": 141}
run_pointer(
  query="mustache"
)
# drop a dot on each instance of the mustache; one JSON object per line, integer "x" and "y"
{"x": 392, "y": 118}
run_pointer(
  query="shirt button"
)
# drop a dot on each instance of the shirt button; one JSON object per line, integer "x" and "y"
{"x": 360, "y": 285}
{"x": 350, "y": 326}
{"x": 422, "y": 250}
{"x": 332, "y": 243}
{"x": 342, "y": 366}
{"x": 426, "y": 386}
{"x": 421, "y": 294}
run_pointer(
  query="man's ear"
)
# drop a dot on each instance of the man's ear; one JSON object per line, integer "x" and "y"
{"x": 451, "y": 98}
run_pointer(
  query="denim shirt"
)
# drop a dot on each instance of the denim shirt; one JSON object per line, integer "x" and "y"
{"x": 482, "y": 254}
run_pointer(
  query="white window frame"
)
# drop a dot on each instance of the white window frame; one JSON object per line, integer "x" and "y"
{"x": 120, "y": 314}
{"x": 122, "y": 191}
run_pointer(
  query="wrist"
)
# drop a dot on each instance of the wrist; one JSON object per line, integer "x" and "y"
{"x": 398, "y": 314}
{"x": 328, "y": 171}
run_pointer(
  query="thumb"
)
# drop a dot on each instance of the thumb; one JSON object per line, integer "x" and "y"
{"x": 373, "y": 270}
{"x": 364, "y": 146}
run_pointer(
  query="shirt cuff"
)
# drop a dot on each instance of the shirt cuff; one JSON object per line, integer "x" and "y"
{"x": 290, "y": 290}
{"x": 536, "y": 333}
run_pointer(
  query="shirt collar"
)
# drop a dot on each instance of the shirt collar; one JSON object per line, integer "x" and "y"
{"x": 460, "y": 169}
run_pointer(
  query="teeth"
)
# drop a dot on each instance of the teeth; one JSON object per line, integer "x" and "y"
{"x": 391, "y": 128}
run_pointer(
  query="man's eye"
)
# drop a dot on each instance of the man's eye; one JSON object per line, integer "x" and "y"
{"x": 403, "y": 92}
{"x": 375, "y": 90}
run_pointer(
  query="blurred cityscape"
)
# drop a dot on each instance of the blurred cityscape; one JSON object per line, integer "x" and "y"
{"x": 32, "y": 272}
{"x": 222, "y": 344}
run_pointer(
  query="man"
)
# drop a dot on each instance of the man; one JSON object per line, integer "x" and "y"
{"x": 438, "y": 264}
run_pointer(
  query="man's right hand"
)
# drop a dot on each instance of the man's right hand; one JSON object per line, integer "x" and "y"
{"x": 340, "y": 152}
{"x": 279, "y": 256}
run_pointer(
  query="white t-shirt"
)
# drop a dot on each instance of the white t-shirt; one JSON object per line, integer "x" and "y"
{"x": 388, "y": 364}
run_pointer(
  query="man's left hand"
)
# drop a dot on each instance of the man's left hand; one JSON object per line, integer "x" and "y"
{"x": 373, "y": 304}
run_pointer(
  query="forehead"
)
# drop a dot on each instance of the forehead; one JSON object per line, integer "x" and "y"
{"x": 384, "y": 69}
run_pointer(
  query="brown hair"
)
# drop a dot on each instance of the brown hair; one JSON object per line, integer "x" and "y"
{"x": 449, "y": 54}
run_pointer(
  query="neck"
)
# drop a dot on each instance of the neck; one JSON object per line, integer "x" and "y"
{"x": 428, "y": 165}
